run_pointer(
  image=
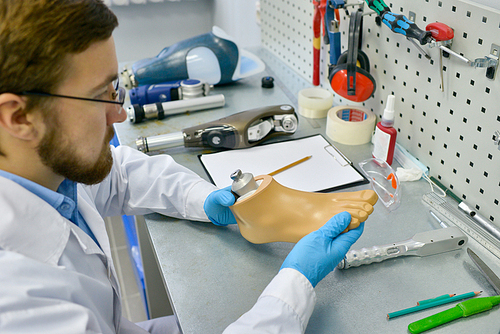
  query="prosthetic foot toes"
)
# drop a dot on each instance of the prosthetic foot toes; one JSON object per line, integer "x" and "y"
{"x": 277, "y": 213}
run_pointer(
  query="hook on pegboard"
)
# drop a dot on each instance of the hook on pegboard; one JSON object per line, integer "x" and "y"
{"x": 496, "y": 138}
{"x": 489, "y": 61}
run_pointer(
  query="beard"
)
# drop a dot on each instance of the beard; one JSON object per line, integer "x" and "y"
{"x": 59, "y": 155}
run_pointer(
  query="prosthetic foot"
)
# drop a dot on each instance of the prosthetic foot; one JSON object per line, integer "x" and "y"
{"x": 267, "y": 211}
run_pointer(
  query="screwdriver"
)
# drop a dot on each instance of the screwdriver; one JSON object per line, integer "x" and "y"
{"x": 440, "y": 32}
{"x": 399, "y": 23}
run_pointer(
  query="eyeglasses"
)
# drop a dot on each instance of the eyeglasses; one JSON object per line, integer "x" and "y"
{"x": 117, "y": 97}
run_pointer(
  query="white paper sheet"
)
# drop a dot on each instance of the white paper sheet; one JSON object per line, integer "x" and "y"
{"x": 326, "y": 168}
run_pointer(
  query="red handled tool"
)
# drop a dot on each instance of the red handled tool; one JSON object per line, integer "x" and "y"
{"x": 440, "y": 32}
{"x": 317, "y": 18}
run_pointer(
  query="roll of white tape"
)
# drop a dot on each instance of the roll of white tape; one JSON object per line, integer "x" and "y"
{"x": 315, "y": 102}
{"x": 350, "y": 125}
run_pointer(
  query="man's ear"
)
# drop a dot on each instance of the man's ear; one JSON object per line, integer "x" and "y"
{"x": 14, "y": 119}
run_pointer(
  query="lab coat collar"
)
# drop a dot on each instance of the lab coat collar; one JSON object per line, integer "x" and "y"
{"x": 96, "y": 224}
{"x": 30, "y": 226}
{"x": 93, "y": 219}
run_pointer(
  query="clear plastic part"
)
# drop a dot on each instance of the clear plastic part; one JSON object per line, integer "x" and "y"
{"x": 384, "y": 182}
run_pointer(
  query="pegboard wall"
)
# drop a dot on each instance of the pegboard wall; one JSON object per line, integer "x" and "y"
{"x": 450, "y": 131}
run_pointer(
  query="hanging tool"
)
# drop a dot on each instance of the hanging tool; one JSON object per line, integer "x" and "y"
{"x": 325, "y": 23}
{"x": 316, "y": 42}
{"x": 463, "y": 309}
{"x": 421, "y": 244}
{"x": 442, "y": 36}
{"x": 490, "y": 61}
{"x": 240, "y": 130}
{"x": 441, "y": 33}
{"x": 319, "y": 21}
{"x": 422, "y": 51}
{"x": 496, "y": 139}
{"x": 347, "y": 79}
{"x": 399, "y": 23}
{"x": 332, "y": 28}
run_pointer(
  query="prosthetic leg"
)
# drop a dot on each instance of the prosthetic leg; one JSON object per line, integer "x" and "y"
{"x": 271, "y": 212}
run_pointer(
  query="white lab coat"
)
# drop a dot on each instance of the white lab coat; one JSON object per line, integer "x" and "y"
{"x": 55, "y": 279}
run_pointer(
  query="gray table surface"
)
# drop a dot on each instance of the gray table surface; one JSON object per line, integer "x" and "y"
{"x": 213, "y": 275}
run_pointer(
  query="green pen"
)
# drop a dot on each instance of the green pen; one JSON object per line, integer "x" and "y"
{"x": 463, "y": 309}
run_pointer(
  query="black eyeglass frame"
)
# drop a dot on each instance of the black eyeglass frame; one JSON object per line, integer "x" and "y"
{"x": 119, "y": 91}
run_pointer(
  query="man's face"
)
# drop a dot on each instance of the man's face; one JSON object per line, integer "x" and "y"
{"x": 60, "y": 155}
{"x": 75, "y": 144}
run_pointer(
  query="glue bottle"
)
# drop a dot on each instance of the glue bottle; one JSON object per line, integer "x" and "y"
{"x": 384, "y": 139}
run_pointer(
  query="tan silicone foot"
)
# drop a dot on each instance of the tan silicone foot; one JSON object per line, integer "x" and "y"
{"x": 277, "y": 213}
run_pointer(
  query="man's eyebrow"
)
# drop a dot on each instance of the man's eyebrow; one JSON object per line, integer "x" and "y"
{"x": 105, "y": 82}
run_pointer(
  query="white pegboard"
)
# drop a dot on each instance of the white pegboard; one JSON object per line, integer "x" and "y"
{"x": 450, "y": 132}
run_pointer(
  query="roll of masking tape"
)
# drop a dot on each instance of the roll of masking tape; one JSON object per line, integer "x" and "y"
{"x": 315, "y": 102}
{"x": 350, "y": 125}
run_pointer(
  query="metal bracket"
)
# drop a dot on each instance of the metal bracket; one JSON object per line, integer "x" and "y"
{"x": 438, "y": 44}
{"x": 490, "y": 61}
{"x": 496, "y": 139}
{"x": 336, "y": 3}
{"x": 412, "y": 16}
{"x": 334, "y": 26}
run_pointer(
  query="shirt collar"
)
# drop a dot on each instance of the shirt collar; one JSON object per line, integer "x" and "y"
{"x": 64, "y": 200}
{"x": 30, "y": 226}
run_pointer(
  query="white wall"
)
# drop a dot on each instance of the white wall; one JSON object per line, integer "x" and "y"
{"x": 490, "y": 3}
{"x": 144, "y": 30}
{"x": 238, "y": 19}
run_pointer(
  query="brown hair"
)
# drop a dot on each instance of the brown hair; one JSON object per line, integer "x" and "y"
{"x": 37, "y": 35}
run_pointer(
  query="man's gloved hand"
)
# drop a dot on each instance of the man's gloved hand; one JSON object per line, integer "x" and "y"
{"x": 319, "y": 252}
{"x": 217, "y": 205}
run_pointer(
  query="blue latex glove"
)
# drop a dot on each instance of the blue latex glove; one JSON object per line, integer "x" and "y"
{"x": 217, "y": 205}
{"x": 319, "y": 252}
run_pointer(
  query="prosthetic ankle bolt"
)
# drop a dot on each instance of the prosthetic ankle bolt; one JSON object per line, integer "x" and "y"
{"x": 267, "y": 211}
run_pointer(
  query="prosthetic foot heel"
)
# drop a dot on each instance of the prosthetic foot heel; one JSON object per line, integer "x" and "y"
{"x": 274, "y": 212}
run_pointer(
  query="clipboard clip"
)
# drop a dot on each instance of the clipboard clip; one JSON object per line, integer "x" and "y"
{"x": 346, "y": 162}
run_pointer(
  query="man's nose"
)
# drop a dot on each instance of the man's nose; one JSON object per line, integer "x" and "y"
{"x": 116, "y": 115}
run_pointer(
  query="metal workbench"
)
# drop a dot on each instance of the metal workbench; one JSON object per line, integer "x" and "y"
{"x": 213, "y": 275}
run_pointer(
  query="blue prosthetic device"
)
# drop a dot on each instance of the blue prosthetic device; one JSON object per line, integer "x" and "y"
{"x": 213, "y": 57}
{"x": 168, "y": 91}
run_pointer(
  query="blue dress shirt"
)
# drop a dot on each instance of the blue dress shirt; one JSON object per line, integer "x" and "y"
{"x": 64, "y": 200}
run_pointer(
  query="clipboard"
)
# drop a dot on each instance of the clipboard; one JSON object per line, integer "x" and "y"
{"x": 327, "y": 170}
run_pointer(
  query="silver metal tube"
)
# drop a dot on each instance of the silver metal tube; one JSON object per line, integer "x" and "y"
{"x": 480, "y": 220}
{"x": 160, "y": 142}
{"x": 200, "y": 103}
